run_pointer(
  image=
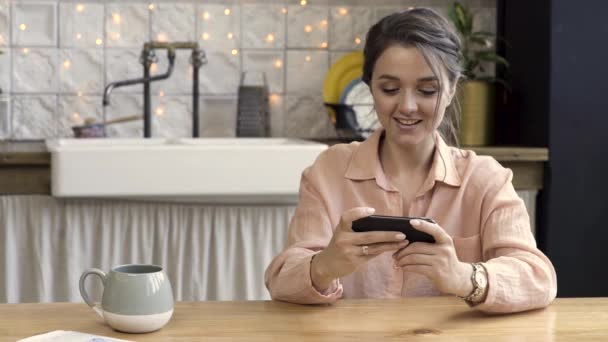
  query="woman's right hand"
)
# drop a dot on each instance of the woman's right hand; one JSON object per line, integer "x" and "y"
{"x": 347, "y": 250}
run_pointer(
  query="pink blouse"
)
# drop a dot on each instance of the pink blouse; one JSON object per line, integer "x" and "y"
{"x": 470, "y": 196}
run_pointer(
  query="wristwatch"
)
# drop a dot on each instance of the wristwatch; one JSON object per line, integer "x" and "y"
{"x": 480, "y": 284}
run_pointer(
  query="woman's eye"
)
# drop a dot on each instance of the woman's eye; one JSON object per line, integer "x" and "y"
{"x": 428, "y": 92}
{"x": 390, "y": 90}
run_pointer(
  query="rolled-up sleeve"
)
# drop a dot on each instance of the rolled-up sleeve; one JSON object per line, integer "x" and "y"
{"x": 288, "y": 275}
{"x": 520, "y": 276}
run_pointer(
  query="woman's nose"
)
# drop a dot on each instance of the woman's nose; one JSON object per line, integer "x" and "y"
{"x": 407, "y": 103}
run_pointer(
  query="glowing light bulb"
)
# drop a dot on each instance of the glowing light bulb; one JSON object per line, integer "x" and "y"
{"x": 227, "y": 11}
{"x": 205, "y": 36}
{"x": 162, "y": 37}
{"x": 151, "y": 7}
{"x": 323, "y": 23}
{"x": 234, "y": 52}
{"x": 160, "y": 111}
{"x": 98, "y": 41}
{"x": 308, "y": 58}
{"x": 343, "y": 11}
{"x": 67, "y": 64}
{"x": 357, "y": 40}
{"x": 23, "y": 27}
{"x": 278, "y": 63}
{"x": 79, "y": 8}
{"x": 161, "y": 93}
{"x": 307, "y": 28}
{"x": 116, "y": 18}
{"x": 26, "y": 51}
{"x": 324, "y": 45}
{"x": 270, "y": 38}
{"x": 78, "y": 35}
{"x": 274, "y": 98}
{"x": 230, "y": 35}
{"x": 303, "y": 2}
{"x": 206, "y": 16}
{"x": 284, "y": 10}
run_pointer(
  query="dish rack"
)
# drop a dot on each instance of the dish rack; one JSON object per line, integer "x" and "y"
{"x": 345, "y": 121}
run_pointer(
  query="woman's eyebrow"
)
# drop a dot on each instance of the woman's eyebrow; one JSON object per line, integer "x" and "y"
{"x": 395, "y": 78}
{"x": 389, "y": 77}
{"x": 428, "y": 79}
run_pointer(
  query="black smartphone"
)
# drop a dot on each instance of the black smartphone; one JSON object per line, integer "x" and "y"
{"x": 375, "y": 223}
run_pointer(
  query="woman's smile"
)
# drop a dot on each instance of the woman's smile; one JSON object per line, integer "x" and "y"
{"x": 407, "y": 124}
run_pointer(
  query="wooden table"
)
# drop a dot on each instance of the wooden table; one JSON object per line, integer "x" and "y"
{"x": 428, "y": 319}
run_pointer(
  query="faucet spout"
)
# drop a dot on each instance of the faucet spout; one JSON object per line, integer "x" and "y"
{"x": 148, "y": 57}
{"x": 110, "y": 87}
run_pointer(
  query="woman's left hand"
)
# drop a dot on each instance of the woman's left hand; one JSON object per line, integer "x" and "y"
{"x": 438, "y": 261}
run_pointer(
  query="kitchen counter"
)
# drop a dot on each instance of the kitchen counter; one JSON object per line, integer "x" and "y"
{"x": 24, "y": 168}
{"x": 25, "y": 165}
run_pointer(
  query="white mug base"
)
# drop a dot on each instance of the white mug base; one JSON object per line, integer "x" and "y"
{"x": 137, "y": 323}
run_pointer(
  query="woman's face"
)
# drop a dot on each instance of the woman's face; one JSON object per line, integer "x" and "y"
{"x": 405, "y": 93}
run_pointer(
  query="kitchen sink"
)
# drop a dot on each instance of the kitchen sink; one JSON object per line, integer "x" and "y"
{"x": 215, "y": 169}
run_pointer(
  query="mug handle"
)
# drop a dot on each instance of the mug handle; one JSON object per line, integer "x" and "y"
{"x": 83, "y": 291}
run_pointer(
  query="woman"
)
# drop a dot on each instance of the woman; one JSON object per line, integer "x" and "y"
{"x": 484, "y": 253}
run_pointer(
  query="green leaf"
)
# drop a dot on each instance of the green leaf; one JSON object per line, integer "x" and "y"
{"x": 485, "y": 42}
{"x": 496, "y": 80}
{"x": 489, "y": 35}
{"x": 456, "y": 17}
{"x": 463, "y": 18}
{"x": 483, "y": 34}
{"x": 469, "y": 21}
{"x": 492, "y": 57}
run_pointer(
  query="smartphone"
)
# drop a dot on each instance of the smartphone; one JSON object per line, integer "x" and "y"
{"x": 401, "y": 224}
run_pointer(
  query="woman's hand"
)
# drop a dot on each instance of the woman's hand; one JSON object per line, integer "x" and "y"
{"x": 438, "y": 261}
{"x": 347, "y": 250}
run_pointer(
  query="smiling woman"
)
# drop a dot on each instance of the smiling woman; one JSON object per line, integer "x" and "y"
{"x": 484, "y": 250}
{"x": 408, "y": 97}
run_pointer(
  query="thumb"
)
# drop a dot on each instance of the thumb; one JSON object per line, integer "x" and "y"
{"x": 353, "y": 214}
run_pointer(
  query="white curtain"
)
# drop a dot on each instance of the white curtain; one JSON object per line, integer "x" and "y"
{"x": 209, "y": 252}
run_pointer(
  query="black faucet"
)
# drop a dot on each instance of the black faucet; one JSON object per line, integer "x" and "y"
{"x": 148, "y": 57}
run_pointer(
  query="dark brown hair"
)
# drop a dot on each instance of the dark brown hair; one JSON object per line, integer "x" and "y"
{"x": 438, "y": 42}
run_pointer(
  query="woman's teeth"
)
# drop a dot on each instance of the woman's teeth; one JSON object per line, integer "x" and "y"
{"x": 408, "y": 122}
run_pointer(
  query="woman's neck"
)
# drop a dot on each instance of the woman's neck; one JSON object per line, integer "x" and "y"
{"x": 413, "y": 162}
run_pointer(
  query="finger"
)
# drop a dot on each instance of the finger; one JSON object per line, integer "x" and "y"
{"x": 368, "y": 238}
{"x": 420, "y": 269}
{"x": 416, "y": 259}
{"x": 416, "y": 248}
{"x": 379, "y": 248}
{"x": 353, "y": 214}
{"x": 431, "y": 228}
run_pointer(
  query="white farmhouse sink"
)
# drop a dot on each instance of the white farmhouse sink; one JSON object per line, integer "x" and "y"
{"x": 233, "y": 169}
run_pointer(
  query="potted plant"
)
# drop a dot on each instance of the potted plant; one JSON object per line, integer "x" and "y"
{"x": 476, "y": 91}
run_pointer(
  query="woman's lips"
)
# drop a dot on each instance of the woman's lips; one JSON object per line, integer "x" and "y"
{"x": 407, "y": 123}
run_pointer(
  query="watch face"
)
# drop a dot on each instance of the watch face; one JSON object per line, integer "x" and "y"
{"x": 480, "y": 279}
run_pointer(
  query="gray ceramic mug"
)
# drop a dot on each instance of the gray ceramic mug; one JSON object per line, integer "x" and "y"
{"x": 136, "y": 298}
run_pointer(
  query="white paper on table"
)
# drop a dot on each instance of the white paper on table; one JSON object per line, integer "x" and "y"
{"x": 69, "y": 336}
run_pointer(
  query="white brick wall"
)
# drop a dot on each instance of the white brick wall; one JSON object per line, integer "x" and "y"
{"x": 58, "y": 56}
